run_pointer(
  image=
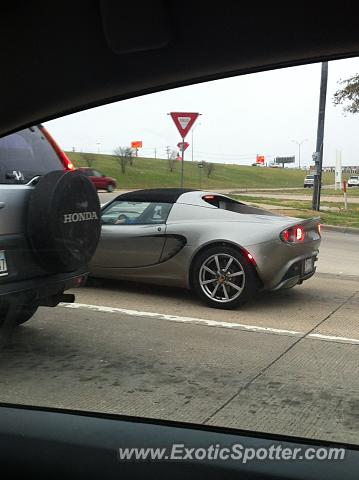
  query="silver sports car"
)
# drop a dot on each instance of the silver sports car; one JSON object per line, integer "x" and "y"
{"x": 222, "y": 249}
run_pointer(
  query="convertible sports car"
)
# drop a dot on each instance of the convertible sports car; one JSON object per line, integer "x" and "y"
{"x": 222, "y": 249}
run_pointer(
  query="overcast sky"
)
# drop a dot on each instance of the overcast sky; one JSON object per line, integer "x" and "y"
{"x": 242, "y": 116}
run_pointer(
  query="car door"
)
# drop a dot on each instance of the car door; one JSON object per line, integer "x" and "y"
{"x": 136, "y": 238}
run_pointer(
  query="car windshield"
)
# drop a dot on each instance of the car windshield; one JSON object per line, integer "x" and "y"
{"x": 154, "y": 270}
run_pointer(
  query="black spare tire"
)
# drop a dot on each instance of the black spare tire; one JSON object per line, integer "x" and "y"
{"x": 63, "y": 221}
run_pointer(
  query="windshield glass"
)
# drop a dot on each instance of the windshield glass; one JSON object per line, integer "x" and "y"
{"x": 220, "y": 288}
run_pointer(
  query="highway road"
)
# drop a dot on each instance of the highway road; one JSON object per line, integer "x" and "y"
{"x": 285, "y": 363}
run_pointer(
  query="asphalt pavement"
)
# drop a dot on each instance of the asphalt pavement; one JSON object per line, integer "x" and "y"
{"x": 287, "y": 362}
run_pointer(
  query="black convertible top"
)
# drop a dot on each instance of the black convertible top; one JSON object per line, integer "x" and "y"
{"x": 165, "y": 195}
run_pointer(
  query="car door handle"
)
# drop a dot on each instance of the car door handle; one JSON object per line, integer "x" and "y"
{"x": 2, "y": 204}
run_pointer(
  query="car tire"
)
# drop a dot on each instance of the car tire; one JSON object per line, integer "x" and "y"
{"x": 110, "y": 188}
{"x": 25, "y": 313}
{"x": 241, "y": 271}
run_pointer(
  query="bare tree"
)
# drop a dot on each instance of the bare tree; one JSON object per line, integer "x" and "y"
{"x": 209, "y": 168}
{"x": 123, "y": 155}
{"x": 172, "y": 160}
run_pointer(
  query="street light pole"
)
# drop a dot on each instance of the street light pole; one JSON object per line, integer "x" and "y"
{"x": 299, "y": 145}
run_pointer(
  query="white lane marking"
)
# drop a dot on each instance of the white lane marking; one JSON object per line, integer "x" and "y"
{"x": 177, "y": 318}
{"x": 333, "y": 338}
{"x": 210, "y": 323}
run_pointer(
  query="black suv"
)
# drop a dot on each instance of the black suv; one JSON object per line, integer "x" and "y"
{"x": 49, "y": 224}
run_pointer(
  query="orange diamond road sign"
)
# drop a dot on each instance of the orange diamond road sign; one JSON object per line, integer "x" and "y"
{"x": 184, "y": 121}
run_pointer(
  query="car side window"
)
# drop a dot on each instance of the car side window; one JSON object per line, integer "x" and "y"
{"x": 136, "y": 213}
{"x": 88, "y": 172}
{"x": 96, "y": 173}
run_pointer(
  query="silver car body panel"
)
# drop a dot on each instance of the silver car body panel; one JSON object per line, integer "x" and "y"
{"x": 141, "y": 245}
{"x": 201, "y": 225}
{"x": 13, "y": 206}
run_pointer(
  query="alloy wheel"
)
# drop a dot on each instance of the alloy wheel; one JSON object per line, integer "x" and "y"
{"x": 222, "y": 277}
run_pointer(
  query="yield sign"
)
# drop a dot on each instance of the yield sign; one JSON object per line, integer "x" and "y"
{"x": 183, "y": 145}
{"x": 184, "y": 121}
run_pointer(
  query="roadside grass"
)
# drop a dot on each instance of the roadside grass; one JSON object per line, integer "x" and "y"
{"x": 354, "y": 192}
{"x": 154, "y": 173}
{"x": 302, "y": 209}
{"x": 297, "y": 204}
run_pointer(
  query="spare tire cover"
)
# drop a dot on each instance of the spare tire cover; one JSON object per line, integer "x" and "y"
{"x": 63, "y": 221}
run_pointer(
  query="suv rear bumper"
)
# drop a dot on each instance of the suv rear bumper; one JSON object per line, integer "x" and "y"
{"x": 27, "y": 279}
{"x": 39, "y": 290}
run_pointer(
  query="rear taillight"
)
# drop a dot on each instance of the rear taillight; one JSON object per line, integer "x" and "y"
{"x": 60, "y": 153}
{"x": 294, "y": 234}
{"x": 299, "y": 233}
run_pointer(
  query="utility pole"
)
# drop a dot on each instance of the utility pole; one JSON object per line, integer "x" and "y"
{"x": 318, "y": 156}
{"x": 155, "y": 152}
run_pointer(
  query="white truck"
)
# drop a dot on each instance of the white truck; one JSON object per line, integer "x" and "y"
{"x": 353, "y": 181}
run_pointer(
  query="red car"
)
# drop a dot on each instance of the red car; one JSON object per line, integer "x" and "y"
{"x": 100, "y": 181}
